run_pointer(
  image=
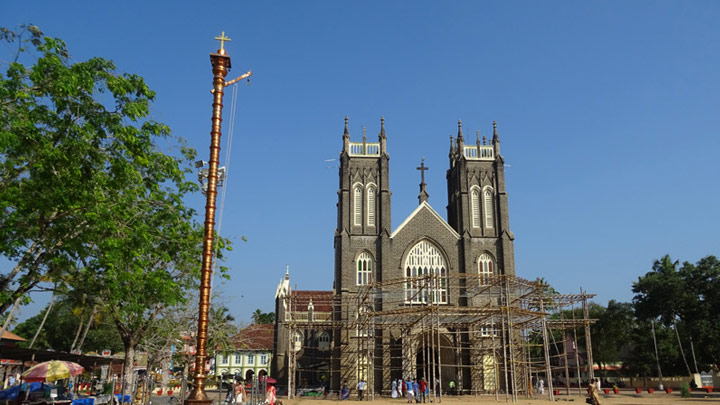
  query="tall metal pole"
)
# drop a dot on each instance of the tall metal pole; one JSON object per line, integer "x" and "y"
{"x": 220, "y": 66}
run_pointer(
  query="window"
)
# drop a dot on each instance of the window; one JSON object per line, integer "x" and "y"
{"x": 425, "y": 275}
{"x": 487, "y": 331}
{"x": 263, "y": 359}
{"x": 364, "y": 269}
{"x": 488, "y": 199}
{"x": 311, "y": 311}
{"x": 224, "y": 359}
{"x": 324, "y": 341}
{"x": 251, "y": 359}
{"x": 475, "y": 206}
{"x": 371, "y": 206}
{"x": 238, "y": 359}
{"x": 298, "y": 340}
{"x": 486, "y": 268}
{"x": 357, "y": 202}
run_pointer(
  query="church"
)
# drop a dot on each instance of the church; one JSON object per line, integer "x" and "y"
{"x": 429, "y": 299}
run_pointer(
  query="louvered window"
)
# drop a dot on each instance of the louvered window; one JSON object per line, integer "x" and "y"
{"x": 371, "y": 206}
{"x": 489, "y": 209}
{"x": 475, "y": 207}
{"x": 357, "y": 201}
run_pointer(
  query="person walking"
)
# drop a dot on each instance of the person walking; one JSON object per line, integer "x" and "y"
{"x": 393, "y": 389}
{"x": 416, "y": 390}
{"x": 593, "y": 394}
{"x": 361, "y": 389}
{"x": 409, "y": 391}
{"x": 423, "y": 389}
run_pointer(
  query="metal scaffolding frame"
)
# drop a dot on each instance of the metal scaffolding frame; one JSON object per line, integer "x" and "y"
{"x": 498, "y": 337}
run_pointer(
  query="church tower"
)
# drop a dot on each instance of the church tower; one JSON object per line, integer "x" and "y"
{"x": 478, "y": 204}
{"x": 363, "y": 216}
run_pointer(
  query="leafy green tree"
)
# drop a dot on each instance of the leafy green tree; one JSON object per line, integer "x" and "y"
{"x": 61, "y": 319}
{"x": 87, "y": 198}
{"x": 263, "y": 317}
{"x": 611, "y": 332}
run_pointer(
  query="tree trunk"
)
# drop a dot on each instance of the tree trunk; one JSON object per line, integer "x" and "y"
{"x": 681, "y": 347}
{"x": 79, "y": 329}
{"x": 50, "y": 304}
{"x": 6, "y": 324}
{"x": 128, "y": 369}
{"x": 87, "y": 328}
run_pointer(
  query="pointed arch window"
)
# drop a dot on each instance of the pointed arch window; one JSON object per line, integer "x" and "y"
{"x": 488, "y": 208}
{"x": 425, "y": 275}
{"x": 486, "y": 268}
{"x": 365, "y": 264}
{"x": 357, "y": 202}
{"x": 371, "y": 205}
{"x": 475, "y": 206}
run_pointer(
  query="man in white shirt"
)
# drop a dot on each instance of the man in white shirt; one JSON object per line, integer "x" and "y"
{"x": 361, "y": 389}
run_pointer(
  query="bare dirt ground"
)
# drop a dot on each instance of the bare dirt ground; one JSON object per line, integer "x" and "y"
{"x": 624, "y": 397}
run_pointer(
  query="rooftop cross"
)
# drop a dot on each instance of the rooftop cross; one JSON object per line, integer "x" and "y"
{"x": 222, "y": 38}
{"x": 422, "y": 169}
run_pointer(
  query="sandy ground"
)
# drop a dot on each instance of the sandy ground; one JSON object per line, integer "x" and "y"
{"x": 624, "y": 397}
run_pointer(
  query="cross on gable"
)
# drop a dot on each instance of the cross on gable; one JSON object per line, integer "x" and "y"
{"x": 422, "y": 169}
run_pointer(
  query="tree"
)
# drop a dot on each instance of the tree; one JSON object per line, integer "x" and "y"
{"x": 263, "y": 317}
{"x": 72, "y": 135}
{"x": 87, "y": 198}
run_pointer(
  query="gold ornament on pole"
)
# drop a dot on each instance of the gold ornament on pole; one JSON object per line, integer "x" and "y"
{"x": 220, "y": 66}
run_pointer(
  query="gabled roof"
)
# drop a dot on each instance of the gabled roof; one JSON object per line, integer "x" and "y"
{"x": 255, "y": 337}
{"x": 322, "y": 300}
{"x": 425, "y": 205}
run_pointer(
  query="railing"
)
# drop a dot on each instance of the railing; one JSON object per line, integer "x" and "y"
{"x": 364, "y": 149}
{"x": 483, "y": 153}
{"x": 317, "y": 317}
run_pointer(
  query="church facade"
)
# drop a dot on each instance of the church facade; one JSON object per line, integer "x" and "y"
{"x": 398, "y": 272}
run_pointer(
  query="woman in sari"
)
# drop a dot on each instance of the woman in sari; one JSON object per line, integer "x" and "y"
{"x": 270, "y": 395}
{"x": 345, "y": 391}
{"x": 593, "y": 394}
{"x": 393, "y": 389}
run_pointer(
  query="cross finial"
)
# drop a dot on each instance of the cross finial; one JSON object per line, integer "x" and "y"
{"x": 222, "y": 38}
{"x": 423, "y": 191}
{"x": 422, "y": 169}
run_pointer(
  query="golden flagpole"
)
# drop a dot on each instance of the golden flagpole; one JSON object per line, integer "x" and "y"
{"x": 220, "y": 66}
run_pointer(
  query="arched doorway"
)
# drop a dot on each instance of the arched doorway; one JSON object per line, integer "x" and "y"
{"x": 262, "y": 373}
{"x": 430, "y": 366}
{"x": 249, "y": 375}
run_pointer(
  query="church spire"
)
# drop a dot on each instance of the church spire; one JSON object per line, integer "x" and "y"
{"x": 423, "y": 187}
{"x": 496, "y": 139}
{"x": 381, "y": 136}
{"x": 460, "y": 139}
{"x": 287, "y": 272}
{"x": 346, "y": 137}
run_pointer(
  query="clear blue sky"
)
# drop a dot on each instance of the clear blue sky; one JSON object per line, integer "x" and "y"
{"x": 608, "y": 113}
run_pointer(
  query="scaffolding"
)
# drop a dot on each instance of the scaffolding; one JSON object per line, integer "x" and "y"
{"x": 499, "y": 336}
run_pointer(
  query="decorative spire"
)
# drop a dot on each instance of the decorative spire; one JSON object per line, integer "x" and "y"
{"x": 484, "y": 140}
{"x": 364, "y": 136}
{"x": 496, "y": 140}
{"x": 287, "y": 272}
{"x": 423, "y": 187}
{"x": 381, "y": 137}
{"x": 460, "y": 134}
{"x": 346, "y": 137}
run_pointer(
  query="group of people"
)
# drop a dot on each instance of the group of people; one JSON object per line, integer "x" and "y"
{"x": 412, "y": 389}
{"x": 237, "y": 394}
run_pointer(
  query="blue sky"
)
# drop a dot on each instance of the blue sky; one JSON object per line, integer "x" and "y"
{"x": 608, "y": 114}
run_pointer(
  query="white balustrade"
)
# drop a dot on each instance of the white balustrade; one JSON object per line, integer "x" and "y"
{"x": 370, "y": 149}
{"x": 483, "y": 153}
